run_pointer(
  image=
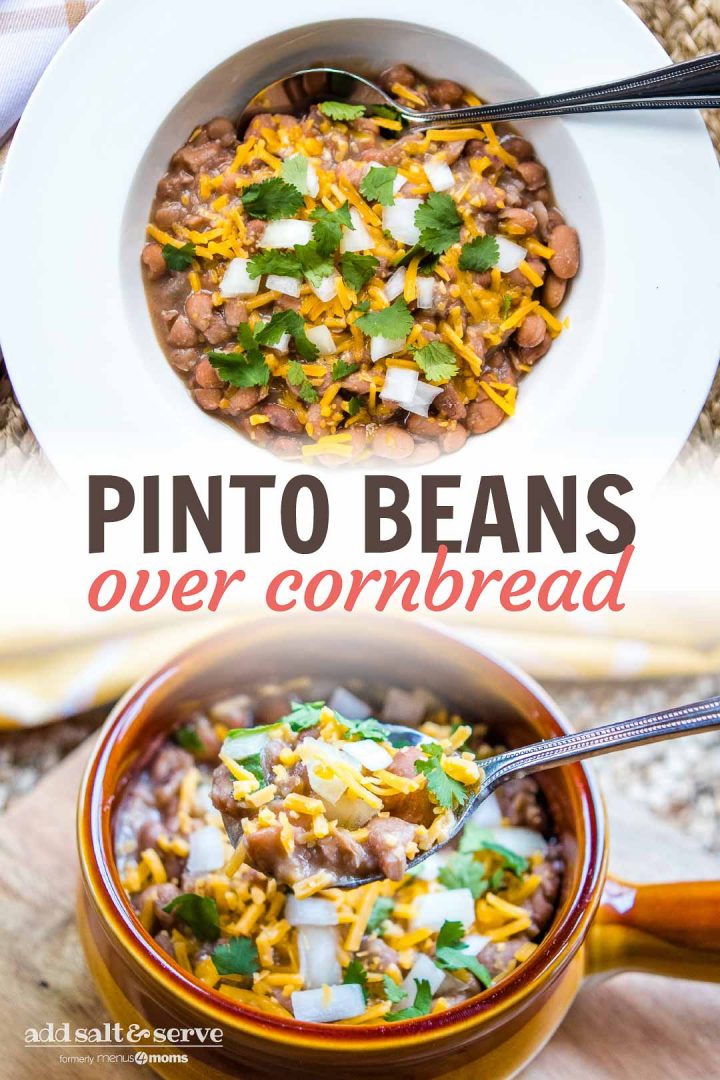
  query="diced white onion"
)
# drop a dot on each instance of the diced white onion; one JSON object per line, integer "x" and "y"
{"x": 519, "y": 840}
{"x": 318, "y": 956}
{"x": 383, "y": 346}
{"x": 400, "y": 384}
{"x": 202, "y": 803}
{"x": 310, "y": 185}
{"x": 288, "y": 286}
{"x": 349, "y": 813}
{"x": 433, "y": 909}
{"x": 425, "y": 289}
{"x": 487, "y": 814}
{"x": 429, "y": 869}
{"x": 246, "y": 744}
{"x": 356, "y": 238}
{"x": 422, "y": 969}
{"x": 329, "y": 789}
{"x": 439, "y": 174}
{"x": 511, "y": 255}
{"x": 236, "y": 280}
{"x": 321, "y": 336}
{"x": 281, "y": 346}
{"x": 286, "y": 233}
{"x": 311, "y": 912}
{"x": 475, "y": 943}
{"x": 327, "y": 288}
{"x": 395, "y": 284}
{"x": 207, "y": 851}
{"x": 422, "y": 399}
{"x": 314, "y": 753}
{"x": 348, "y": 705}
{"x": 323, "y": 1006}
{"x": 399, "y": 220}
{"x": 369, "y": 754}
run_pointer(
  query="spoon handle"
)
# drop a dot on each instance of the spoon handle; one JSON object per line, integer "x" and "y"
{"x": 666, "y": 724}
{"x": 694, "y": 84}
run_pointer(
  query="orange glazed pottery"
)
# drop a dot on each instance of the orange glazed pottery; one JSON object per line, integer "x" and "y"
{"x": 601, "y": 925}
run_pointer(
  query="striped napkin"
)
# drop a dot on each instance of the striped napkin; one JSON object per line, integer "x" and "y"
{"x": 31, "y": 32}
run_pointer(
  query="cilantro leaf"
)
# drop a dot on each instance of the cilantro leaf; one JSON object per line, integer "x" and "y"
{"x": 315, "y": 262}
{"x": 439, "y": 223}
{"x": 178, "y": 258}
{"x": 327, "y": 230}
{"x": 395, "y": 321}
{"x": 452, "y": 955}
{"x": 341, "y": 110}
{"x": 238, "y": 957}
{"x": 275, "y": 262}
{"x": 357, "y": 270}
{"x": 240, "y": 369}
{"x": 364, "y": 729}
{"x": 246, "y": 337}
{"x": 304, "y": 715}
{"x": 437, "y": 361}
{"x": 271, "y": 199}
{"x": 254, "y": 765}
{"x": 480, "y": 254}
{"x": 393, "y": 992}
{"x": 355, "y": 973}
{"x": 377, "y": 185}
{"x": 475, "y": 839}
{"x": 294, "y": 170}
{"x": 364, "y": 305}
{"x": 420, "y": 1007}
{"x": 447, "y": 792}
{"x": 505, "y": 306}
{"x": 382, "y": 909}
{"x": 287, "y": 322}
{"x": 464, "y": 872}
{"x": 354, "y": 406}
{"x": 200, "y": 913}
{"x": 341, "y": 369}
{"x": 297, "y": 378}
{"x": 427, "y": 263}
{"x": 188, "y": 738}
{"x": 388, "y": 112}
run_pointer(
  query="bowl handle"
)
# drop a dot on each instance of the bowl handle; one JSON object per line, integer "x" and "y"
{"x": 662, "y": 929}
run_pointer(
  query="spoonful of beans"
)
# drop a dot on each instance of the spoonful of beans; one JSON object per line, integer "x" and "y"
{"x": 692, "y": 84}
{"x": 347, "y": 778}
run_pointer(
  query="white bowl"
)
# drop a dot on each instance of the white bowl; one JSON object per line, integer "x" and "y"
{"x": 625, "y": 382}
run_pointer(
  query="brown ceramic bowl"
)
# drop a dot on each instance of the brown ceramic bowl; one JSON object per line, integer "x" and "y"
{"x": 600, "y": 925}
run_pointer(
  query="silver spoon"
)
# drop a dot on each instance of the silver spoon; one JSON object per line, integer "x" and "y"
{"x": 693, "y": 84}
{"x": 535, "y": 757}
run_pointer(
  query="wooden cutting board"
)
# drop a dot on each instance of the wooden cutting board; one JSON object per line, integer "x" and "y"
{"x": 628, "y": 1027}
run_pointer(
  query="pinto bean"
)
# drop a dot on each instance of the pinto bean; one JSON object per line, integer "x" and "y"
{"x": 425, "y": 427}
{"x": 243, "y": 399}
{"x": 206, "y": 376}
{"x": 173, "y": 184}
{"x": 516, "y": 277}
{"x": 285, "y": 446}
{"x": 282, "y": 419}
{"x": 208, "y": 399}
{"x": 531, "y": 332}
{"x": 182, "y": 333}
{"x": 555, "y": 218}
{"x": 392, "y": 442}
{"x": 518, "y": 215}
{"x": 183, "y": 359}
{"x": 531, "y": 356}
{"x": 288, "y": 303}
{"x": 399, "y": 73}
{"x": 454, "y": 440}
{"x": 494, "y": 196}
{"x": 553, "y": 291}
{"x": 483, "y": 415}
{"x": 222, "y": 129}
{"x": 533, "y": 173}
{"x": 543, "y": 195}
{"x": 446, "y": 92}
{"x": 476, "y": 340}
{"x": 199, "y": 309}
{"x": 423, "y": 454}
{"x": 195, "y": 158}
{"x": 518, "y": 147}
{"x": 153, "y": 261}
{"x": 450, "y": 404}
{"x": 218, "y": 331}
{"x": 169, "y": 214}
{"x": 564, "y": 242}
{"x": 236, "y": 312}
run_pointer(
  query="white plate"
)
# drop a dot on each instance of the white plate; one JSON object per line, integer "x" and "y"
{"x": 627, "y": 380}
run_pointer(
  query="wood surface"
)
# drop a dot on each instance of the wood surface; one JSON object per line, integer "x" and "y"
{"x": 626, "y": 1028}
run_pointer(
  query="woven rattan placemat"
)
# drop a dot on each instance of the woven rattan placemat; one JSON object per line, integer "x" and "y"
{"x": 685, "y": 29}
